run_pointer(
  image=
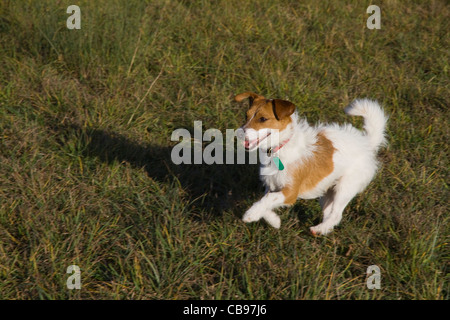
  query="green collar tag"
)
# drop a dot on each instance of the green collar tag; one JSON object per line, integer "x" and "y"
{"x": 278, "y": 163}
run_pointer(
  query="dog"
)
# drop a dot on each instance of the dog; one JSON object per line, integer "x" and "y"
{"x": 328, "y": 161}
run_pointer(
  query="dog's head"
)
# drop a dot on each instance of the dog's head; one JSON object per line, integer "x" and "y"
{"x": 266, "y": 119}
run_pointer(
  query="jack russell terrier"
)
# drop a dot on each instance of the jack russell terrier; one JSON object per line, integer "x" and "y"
{"x": 330, "y": 162}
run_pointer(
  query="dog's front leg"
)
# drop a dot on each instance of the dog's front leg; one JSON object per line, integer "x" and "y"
{"x": 264, "y": 209}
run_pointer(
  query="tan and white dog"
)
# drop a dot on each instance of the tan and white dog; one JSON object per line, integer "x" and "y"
{"x": 330, "y": 162}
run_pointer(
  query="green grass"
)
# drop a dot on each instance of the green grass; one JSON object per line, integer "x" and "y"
{"x": 85, "y": 171}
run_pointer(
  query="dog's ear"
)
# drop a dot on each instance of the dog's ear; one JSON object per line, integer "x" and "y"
{"x": 282, "y": 108}
{"x": 250, "y": 95}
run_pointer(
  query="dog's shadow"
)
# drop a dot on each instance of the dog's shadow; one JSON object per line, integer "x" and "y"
{"x": 210, "y": 188}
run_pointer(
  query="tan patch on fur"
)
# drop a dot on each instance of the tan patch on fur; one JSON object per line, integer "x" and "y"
{"x": 308, "y": 174}
{"x": 263, "y": 108}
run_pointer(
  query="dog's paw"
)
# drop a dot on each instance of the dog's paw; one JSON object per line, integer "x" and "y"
{"x": 273, "y": 219}
{"x": 320, "y": 230}
{"x": 251, "y": 215}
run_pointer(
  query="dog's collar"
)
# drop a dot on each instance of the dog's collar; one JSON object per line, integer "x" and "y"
{"x": 271, "y": 151}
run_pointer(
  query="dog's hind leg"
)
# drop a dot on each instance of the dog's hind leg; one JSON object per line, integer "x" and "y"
{"x": 344, "y": 191}
{"x": 326, "y": 202}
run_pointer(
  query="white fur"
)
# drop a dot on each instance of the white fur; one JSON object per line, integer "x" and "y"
{"x": 354, "y": 162}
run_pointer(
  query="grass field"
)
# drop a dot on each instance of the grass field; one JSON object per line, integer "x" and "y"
{"x": 86, "y": 176}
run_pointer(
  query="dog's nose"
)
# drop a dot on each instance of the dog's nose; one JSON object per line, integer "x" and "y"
{"x": 240, "y": 133}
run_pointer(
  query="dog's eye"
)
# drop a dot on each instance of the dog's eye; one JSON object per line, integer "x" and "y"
{"x": 262, "y": 119}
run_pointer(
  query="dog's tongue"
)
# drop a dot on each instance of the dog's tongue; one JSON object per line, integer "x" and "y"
{"x": 248, "y": 144}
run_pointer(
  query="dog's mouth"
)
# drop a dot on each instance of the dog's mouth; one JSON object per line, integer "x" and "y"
{"x": 252, "y": 144}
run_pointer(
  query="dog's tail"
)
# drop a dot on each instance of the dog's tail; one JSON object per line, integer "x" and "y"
{"x": 374, "y": 120}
